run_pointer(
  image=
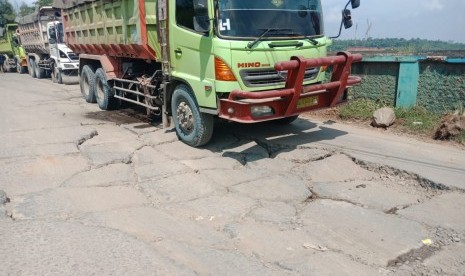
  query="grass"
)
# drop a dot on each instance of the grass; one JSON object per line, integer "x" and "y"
{"x": 415, "y": 120}
{"x": 359, "y": 109}
{"x": 460, "y": 138}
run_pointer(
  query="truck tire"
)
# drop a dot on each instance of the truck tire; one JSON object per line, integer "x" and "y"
{"x": 20, "y": 69}
{"x": 87, "y": 84}
{"x": 56, "y": 74}
{"x": 103, "y": 92}
{"x": 192, "y": 127}
{"x": 31, "y": 67}
{"x": 40, "y": 73}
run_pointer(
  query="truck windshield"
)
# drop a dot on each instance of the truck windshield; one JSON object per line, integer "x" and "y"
{"x": 249, "y": 19}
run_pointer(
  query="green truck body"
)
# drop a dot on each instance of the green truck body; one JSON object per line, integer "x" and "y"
{"x": 13, "y": 55}
{"x": 192, "y": 60}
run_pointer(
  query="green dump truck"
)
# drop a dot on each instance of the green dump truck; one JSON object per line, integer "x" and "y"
{"x": 12, "y": 55}
{"x": 190, "y": 61}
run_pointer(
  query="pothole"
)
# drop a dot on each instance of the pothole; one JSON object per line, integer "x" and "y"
{"x": 87, "y": 137}
{"x": 384, "y": 170}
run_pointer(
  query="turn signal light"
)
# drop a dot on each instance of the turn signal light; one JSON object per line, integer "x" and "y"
{"x": 222, "y": 71}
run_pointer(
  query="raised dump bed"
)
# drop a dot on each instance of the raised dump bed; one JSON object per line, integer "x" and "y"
{"x": 123, "y": 28}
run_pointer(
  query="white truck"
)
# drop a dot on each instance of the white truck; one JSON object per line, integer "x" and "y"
{"x": 41, "y": 35}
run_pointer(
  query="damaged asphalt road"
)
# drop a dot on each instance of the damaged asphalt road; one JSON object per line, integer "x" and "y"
{"x": 84, "y": 191}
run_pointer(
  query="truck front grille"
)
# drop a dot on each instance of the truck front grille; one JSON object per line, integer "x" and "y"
{"x": 268, "y": 77}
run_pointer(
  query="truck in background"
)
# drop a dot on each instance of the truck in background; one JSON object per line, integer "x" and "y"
{"x": 41, "y": 35}
{"x": 190, "y": 61}
{"x": 12, "y": 55}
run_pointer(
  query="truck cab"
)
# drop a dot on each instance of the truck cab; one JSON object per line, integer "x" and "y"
{"x": 13, "y": 56}
{"x": 66, "y": 62}
{"x": 242, "y": 43}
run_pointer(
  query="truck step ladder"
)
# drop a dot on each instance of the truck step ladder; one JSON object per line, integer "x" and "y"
{"x": 165, "y": 60}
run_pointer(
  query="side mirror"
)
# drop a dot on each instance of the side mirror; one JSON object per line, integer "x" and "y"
{"x": 355, "y": 3}
{"x": 202, "y": 23}
{"x": 347, "y": 18}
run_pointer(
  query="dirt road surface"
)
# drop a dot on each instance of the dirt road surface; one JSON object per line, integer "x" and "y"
{"x": 85, "y": 191}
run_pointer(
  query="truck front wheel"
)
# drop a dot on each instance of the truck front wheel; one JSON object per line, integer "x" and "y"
{"x": 87, "y": 84}
{"x": 32, "y": 68}
{"x": 103, "y": 92}
{"x": 20, "y": 69}
{"x": 192, "y": 127}
{"x": 56, "y": 74}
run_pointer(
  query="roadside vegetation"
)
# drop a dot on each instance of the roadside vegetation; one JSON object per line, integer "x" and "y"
{"x": 399, "y": 45}
{"x": 415, "y": 121}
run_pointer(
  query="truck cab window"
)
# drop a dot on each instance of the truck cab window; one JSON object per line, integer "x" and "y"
{"x": 185, "y": 13}
{"x": 52, "y": 35}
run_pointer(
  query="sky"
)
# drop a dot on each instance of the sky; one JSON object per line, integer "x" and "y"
{"x": 427, "y": 19}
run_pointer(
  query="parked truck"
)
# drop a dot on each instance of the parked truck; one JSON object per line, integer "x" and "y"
{"x": 41, "y": 34}
{"x": 189, "y": 61}
{"x": 12, "y": 55}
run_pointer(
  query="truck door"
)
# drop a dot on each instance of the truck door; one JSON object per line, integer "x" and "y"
{"x": 191, "y": 49}
{"x": 52, "y": 40}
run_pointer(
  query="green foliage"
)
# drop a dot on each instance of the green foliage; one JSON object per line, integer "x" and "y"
{"x": 399, "y": 45}
{"x": 7, "y": 12}
{"x": 460, "y": 138}
{"x": 24, "y": 9}
{"x": 417, "y": 120}
{"x": 359, "y": 109}
{"x": 41, "y": 3}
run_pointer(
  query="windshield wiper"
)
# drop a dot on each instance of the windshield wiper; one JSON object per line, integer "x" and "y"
{"x": 265, "y": 32}
{"x": 312, "y": 40}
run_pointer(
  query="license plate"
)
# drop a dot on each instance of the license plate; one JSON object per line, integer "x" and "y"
{"x": 306, "y": 102}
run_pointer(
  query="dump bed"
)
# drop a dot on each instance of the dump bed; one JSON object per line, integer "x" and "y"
{"x": 33, "y": 30}
{"x": 6, "y": 36}
{"x": 122, "y": 28}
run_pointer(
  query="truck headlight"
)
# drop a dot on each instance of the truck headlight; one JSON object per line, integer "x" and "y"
{"x": 261, "y": 111}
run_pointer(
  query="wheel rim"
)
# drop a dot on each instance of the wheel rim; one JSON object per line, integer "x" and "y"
{"x": 185, "y": 117}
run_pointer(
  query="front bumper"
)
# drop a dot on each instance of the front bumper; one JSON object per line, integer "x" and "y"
{"x": 295, "y": 98}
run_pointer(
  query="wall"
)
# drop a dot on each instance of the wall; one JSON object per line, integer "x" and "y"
{"x": 436, "y": 83}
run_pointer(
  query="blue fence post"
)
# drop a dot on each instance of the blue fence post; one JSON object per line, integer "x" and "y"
{"x": 407, "y": 84}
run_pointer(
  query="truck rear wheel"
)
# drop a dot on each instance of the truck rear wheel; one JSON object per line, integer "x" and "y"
{"x": 31, "y": 67}
{"x": 103, "y": 92}
{"x": 192, "y": 127}
{"x": 87, "y": 84}
{"x": 40, "y": 73}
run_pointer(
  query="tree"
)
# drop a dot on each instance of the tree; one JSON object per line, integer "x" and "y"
{"x": 24, "y": 9}
{"x": 7, "y": 12}
{"x": 41, "y": 3}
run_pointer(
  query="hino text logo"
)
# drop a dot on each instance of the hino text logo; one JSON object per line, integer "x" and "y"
{"x": 249, "y": 65}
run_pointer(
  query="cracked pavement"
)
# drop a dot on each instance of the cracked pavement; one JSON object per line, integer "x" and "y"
{"x": 83, "y": 191}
